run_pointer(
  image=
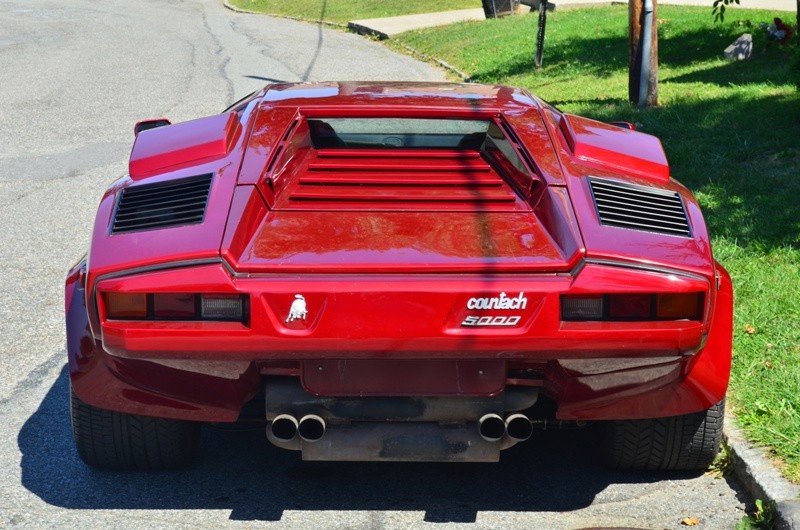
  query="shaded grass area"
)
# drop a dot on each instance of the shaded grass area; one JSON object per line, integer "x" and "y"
{"x": 732, "y": 133}
{"x": 343, "y": 12}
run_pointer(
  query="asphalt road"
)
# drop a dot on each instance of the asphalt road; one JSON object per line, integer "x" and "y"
{"x": 76, "y": 76}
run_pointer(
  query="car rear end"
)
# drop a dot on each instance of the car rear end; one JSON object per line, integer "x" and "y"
{"x": 393, "y": 283}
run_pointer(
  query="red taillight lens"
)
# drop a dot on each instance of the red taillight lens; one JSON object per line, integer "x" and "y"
{"x": 126, "y": 305}
{"x": 174, "y": 306}
{"x": 629, "y": 306}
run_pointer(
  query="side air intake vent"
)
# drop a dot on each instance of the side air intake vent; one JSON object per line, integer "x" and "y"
{"x": 163, "y": 205}
{"x": 639, "y": 207}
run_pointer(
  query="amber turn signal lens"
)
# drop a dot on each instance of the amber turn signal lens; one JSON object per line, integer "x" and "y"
{"x": 678, "y": 306}
{"x": 126, "y": 305}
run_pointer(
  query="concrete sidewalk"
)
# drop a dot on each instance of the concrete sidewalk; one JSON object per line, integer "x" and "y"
{"x": 386, "y": 27}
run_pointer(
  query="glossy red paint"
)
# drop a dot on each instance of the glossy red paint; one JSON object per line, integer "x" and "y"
{"x": 620, "y": 149}
{"x": 391, "y": 251}
{"x": 191, "y": 142}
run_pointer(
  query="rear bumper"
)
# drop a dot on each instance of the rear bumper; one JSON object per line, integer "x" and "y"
{"x": 206, "y": 371}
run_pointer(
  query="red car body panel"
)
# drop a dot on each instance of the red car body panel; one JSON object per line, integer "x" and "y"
{"x": 395, "y": 253}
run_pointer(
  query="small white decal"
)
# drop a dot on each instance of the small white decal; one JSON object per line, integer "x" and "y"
{"x": 298, "y": 310}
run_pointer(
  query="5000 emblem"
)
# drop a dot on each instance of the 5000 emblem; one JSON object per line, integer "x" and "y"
{"x": 491, "y": 321}
{"x": 502, "y": 302}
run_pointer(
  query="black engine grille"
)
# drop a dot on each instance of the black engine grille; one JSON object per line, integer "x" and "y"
{"x": 637, "y": 207}
{"x": 166, "y": 204}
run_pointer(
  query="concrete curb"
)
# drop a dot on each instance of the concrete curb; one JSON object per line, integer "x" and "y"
{"x": 761, "y": 478}
{"x": 427, "y": 58}
{"x": 235, "y": 9}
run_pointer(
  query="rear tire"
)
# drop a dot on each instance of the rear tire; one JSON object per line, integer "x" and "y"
{"x": 686, "y": 443}
{"x": 114, "y": 440}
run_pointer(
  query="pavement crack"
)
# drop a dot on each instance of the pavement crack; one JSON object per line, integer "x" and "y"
{"x": 224, "y": 59}
{"x": 35, "y": 377}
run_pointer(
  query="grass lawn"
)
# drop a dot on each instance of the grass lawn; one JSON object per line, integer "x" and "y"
{"x": 343, "y": 12}
{"x": 732, "y": 133}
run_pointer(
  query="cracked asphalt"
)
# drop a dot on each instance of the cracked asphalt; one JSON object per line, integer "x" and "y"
{"x": 76, "y": 76}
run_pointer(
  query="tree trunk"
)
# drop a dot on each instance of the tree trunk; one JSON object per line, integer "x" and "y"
{"x": 636, "y": 13}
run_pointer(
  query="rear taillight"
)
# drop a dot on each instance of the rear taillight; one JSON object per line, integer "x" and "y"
{"x": 679, "y": 306}
{"x": 176, "y": 306}
{"x": 222, "y": 307}
{"x": 632, "y": 307}
{"x": 582, "y": 307}
{"x": 126, "y": 305}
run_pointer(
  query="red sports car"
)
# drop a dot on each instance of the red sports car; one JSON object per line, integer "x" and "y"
{"x": 397, "y": 271}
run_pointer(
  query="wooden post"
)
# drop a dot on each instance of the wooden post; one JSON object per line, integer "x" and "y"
{"x": 636, "y": 13}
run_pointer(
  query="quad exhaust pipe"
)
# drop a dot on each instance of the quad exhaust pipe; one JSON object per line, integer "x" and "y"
{"x": 493, "y": 428}
{"x": 288, "y": 431}
{"x": 285, "y": 428}
{"x": 311, "y": 428}
{"x": 519, "y": 427}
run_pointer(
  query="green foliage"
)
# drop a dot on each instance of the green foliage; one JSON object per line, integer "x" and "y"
{"x": 731, "y": 133}
{"x": 763, "y": 518}
{"x": 722, "y": 465}
{"x": 719, "y": 9}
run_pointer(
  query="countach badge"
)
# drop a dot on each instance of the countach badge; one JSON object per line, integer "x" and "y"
{"x": 498, "y": 302}
{"x": 298, "y": 310}
{"x": 501, "y": 303}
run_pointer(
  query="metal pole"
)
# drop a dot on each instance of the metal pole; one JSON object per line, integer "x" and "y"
{"x": 647, "y": 36}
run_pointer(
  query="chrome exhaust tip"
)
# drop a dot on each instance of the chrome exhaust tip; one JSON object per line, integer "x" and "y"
{"x": 284, "y": 427}
{"x": 311, "y": 428}
{"x": 491, "y": 427}
{"x": 519, "y": 427}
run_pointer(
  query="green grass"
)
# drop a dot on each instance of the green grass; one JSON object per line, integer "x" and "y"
{"x": 732, "y": 133}
{"x": 344, "y": 11}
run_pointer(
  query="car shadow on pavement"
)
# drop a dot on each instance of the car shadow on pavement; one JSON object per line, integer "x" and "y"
{"x": 240, "y": 471}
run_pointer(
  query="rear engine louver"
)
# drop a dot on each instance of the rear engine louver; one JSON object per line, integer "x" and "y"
{"x": 637, "y": 207}
{"x": 162, "y": 205}
{"x": 401, "y": 179}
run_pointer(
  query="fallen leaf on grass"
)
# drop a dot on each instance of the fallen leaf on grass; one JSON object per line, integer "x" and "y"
{"x": 690, "y": 521}
{"x": 749, "y": 329}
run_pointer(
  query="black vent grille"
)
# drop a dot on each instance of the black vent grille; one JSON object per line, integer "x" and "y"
{"x": 162, "y": 205}
{"x": 639, "y": 207}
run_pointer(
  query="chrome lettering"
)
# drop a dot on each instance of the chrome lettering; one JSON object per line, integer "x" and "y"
{"x": 475, "y": 321}
{"x": 502, "y": 302}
